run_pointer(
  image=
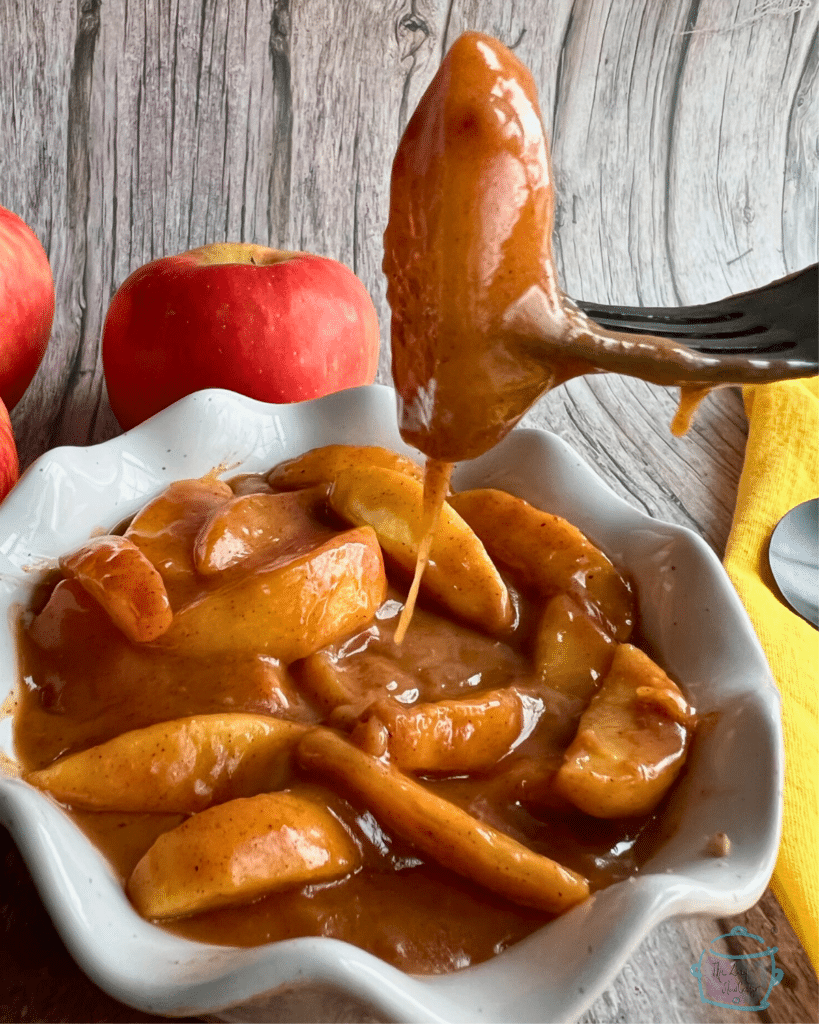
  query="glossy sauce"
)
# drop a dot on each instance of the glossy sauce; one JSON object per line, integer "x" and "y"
{"x": 469, "y": 238}
{"x": 84, "y": 682}
{"x": 480, "y": 326}
{"x": 470, "y": 227}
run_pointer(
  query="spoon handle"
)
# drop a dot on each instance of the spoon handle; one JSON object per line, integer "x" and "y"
{"x": 793, "y": 555}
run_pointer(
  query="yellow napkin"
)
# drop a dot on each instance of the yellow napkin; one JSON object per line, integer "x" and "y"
{"x": 781, "y": 470}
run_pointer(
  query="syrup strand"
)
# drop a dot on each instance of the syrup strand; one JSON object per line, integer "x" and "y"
{"x": 436, "y": 486}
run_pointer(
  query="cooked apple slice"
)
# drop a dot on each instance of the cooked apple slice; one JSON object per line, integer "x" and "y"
{"x": 467, "y": 735}
{"x": 548, "y": 554}
{"x": 439, "y": 829}
{"x": 324, "y": 683}
{"x": 239, "y": 851}
{"x": 631, "y": 740}
{"x": 270, "y": 526}
{"x": 459, "y": 574}
{"x": 322, "y": 465}
{"x": 121, "y": 579}
{"x": 291, "y": 610}
{"x": 250, "y": 483}
{"x": 529, "y": 780}
{"x": 572, "y": 652}
{"x": 166, "y": 528}
{"x": 179, "y": 766}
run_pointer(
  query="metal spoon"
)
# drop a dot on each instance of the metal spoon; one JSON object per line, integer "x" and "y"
{"x": 793, "y": 554}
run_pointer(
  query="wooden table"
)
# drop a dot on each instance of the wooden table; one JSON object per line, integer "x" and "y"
{"x": 684, "y": 147}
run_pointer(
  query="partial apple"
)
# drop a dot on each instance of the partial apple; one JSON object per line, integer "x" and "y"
{"x": 26, "y": 306}
{"x": 9, "y": 467}
{"x": 273, "y": 325}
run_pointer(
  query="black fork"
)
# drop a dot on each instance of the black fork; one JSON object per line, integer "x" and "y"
{"x": 770, "y": 333}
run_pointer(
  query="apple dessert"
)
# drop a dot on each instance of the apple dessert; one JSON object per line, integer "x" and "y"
{"x": 236, "y": 696}
{"x": 216, "y": 695}
{"x": 481, "y": 328}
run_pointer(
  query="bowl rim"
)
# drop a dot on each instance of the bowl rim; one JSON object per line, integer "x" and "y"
{"x": 208, "y": 979}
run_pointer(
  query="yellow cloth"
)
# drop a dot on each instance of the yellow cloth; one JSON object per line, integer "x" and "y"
{"x": 781, "y": 470}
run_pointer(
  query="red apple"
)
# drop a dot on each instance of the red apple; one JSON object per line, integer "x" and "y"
{"x": 276, "y": 326}
{"x": 9, "y": 467}
{"x": 26, "y": 306}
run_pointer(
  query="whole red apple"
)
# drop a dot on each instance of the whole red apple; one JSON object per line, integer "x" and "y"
{"x": 276, "y": 326}
{"x": 9, "y": 466}
{"x": 26, "y": 306}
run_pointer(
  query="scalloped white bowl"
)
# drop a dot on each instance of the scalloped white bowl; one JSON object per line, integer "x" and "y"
{"x": 691, "y": 617}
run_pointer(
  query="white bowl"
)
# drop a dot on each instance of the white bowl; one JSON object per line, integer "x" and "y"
{"x": 691, "y": 617}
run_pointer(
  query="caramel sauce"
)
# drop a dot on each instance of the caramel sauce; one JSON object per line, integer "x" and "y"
{"x": 480, "y": 326}
{"x": 690, "y": 399}
{"x": 85, "y": 682}
{"x": 480, "y": 331}
{"x": 469, "y": 231}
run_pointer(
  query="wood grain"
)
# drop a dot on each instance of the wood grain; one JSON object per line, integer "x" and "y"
{"x": 686, "y": 164}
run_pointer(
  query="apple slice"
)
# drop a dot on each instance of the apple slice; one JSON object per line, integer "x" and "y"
{"x": 631, "y": 740}
{"x": 179, "y": 766}
{"x": 239, "y": 851}
{"x": 548, "y": 555}
{"x": 528, "y": 780}
{"x": 440, "y": 829}
{"x": 322, "y": 465}
{"x": 166, "y": 528}
{"x": 572, "y": 652}
{"x": 467, "y": 735}
{"x": 460, "y": 574}
{"x": 121, "y": 579}
{"x": 287, "y": 611}
{"x": 110, "y": 686}
{"x": 330, "y": 683}
{"x": 256, "y": 526}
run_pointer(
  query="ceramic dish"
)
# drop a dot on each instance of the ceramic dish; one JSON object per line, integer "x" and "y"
{"x": 693, "y": 621}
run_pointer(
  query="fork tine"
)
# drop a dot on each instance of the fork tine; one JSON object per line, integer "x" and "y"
{"x": 682, "y": 324}
{"x": 656, "y": 316}
{"x": 769, "y": 334}
{"x": 778, "y": 318}
{"x": 796, "y": 290}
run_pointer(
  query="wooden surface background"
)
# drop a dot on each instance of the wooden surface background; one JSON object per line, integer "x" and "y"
{"x": 686, "y": 161}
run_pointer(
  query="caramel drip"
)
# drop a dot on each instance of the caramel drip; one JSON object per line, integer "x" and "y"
{"x": 436, "y": 487}
{"x": 690, "y": 398}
